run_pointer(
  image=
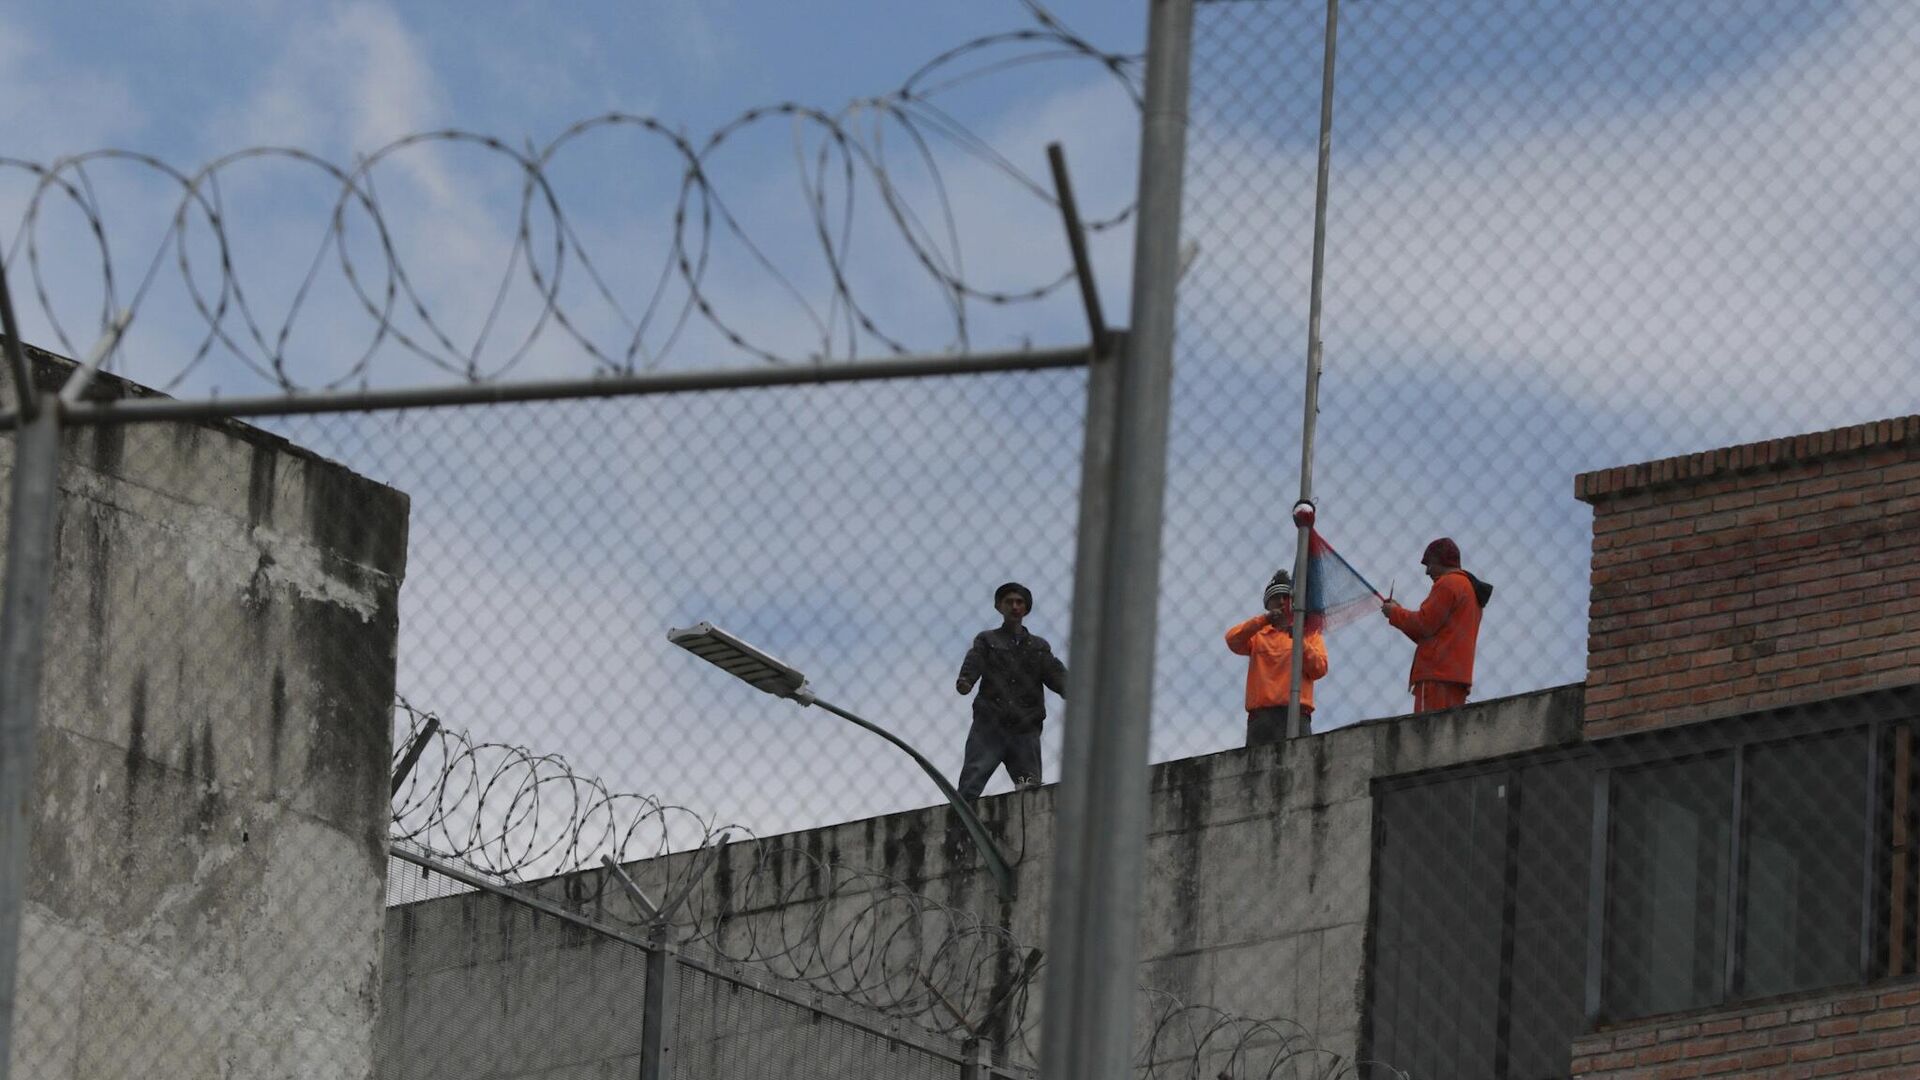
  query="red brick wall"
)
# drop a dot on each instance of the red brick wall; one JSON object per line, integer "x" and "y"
{"x": 1752, "y": 577}
{"x": 1852, "y": 1034}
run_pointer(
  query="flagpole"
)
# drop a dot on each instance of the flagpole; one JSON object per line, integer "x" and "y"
{"x": 1303, "y": 511}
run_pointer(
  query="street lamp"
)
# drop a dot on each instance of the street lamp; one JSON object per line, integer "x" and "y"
{"x": 764, "y": 672}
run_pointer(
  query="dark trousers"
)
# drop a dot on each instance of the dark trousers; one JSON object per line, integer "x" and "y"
{"x": 988, "y": 747}
{"x": 1270, "y": 725}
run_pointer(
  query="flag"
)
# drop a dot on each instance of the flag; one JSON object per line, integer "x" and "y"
{"x": 1336, "y": 594}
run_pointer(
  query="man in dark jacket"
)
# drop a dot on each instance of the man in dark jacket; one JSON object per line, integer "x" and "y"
{"x": 1011, "y": 665}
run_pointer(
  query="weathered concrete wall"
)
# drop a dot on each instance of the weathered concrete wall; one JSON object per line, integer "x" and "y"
{"x": 209, "y": 842}
{"x": 481, "y": 987}
{"x": 1257, "y": 882}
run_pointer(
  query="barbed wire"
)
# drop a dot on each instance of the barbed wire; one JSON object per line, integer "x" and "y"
{"x": 835, "y": 152}
{"x": 529, "y": 820}
{"x": 524, "y": 818}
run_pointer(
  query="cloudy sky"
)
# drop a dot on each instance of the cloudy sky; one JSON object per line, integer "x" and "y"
{"x": 1560, "y": 237}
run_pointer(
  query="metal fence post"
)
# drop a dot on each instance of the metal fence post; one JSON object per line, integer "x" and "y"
{"x": 1093, "y": 919}
{"x": 974, "y": 1062}
{"x": 30, "y": 535}
{"x": 661, "y": 1008}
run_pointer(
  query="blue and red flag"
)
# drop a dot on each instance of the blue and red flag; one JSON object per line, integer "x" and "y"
{"x": 1336, "y": 594}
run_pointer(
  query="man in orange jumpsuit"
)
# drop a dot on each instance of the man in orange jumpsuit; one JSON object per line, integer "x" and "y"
{"x": 1444, "y": 630}
{"x": 1267, "y": 642}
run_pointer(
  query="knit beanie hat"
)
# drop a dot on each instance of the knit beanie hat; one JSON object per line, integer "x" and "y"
{"x": 1442, "y": 552}
{"x": 1281, "y": 585}
{"x": 1013, "y": 587}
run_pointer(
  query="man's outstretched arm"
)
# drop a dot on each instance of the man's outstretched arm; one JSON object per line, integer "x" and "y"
{"x": 1432, "y": 615}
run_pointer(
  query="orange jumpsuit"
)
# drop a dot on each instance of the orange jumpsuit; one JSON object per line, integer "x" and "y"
{"x": 1444, "y": 631}
{"x": 1269, "y": 650}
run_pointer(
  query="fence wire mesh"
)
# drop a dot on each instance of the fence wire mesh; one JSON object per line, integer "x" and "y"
{"x": 1562, "y": 238}
{"x": 476, "y": 984}
{"x": 1559, "y": 238}
{"x": 479, "y": 982}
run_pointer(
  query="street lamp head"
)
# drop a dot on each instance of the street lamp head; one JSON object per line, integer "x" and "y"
{"x": 742, "y": 661}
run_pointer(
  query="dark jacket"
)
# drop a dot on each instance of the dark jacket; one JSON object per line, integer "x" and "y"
{"x": 1011, "y": 666}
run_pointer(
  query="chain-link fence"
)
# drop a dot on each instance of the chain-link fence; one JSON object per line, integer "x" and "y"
{"x": 483, "y": 981}
{"x": 855, "y": 531}
{"x": 1563, "y": 237}
{"x": 1558, "y": 238}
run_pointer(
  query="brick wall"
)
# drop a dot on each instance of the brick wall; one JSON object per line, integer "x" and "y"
{"x": 1856, "y": 1033}
{"x": 1755, "y": 576}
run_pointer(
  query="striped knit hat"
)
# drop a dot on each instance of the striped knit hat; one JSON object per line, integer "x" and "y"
{"x": 1281, "y": 585}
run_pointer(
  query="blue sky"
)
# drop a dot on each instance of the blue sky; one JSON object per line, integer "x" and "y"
{"x": 170, "y": 78}
{"x": 1560, "y": 237}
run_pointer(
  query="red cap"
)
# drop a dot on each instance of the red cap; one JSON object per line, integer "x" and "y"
{"x": 1442, "y": 552}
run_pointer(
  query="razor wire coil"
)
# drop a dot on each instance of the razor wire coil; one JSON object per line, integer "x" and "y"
{"x": 529, "y": 821}
{"x": 836, "y": 152}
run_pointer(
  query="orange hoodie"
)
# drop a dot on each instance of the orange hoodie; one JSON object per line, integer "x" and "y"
{"x": 1444, "y": 630}
{"x": 1270, "y": 663}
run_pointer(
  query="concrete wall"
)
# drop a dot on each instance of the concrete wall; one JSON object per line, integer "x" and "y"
{"x": 1755, "y": 576}
{"x": 480, "y": 987}
{"x": 209, "y": 838}
{"x": 1257, "y": 880}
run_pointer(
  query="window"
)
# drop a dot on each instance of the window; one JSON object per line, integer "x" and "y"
{"x": 1667, "y": 880}
{"x": 1479, "y": 927}
{"x": 1739, "y": 872}
{"x": 1516, "y": 903}
{"x": 1805, "y": 865}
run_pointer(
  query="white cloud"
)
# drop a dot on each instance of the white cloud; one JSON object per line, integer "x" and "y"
{"x": 350, "y": 77}
{"x": 1746, "y": 229}
{"x": 49, "y": 106}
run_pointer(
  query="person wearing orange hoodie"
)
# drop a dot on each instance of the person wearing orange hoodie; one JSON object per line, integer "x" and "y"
{"x": 1266, "y": 640}
{"x": 1444, "y": 630}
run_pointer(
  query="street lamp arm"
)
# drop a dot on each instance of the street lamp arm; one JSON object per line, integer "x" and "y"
{"x": 769, "y": 674}
{"x": 996, "y": 864}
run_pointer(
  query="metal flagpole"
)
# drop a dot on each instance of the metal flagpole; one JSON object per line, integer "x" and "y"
{"x": 1093, "y": 921}
{"x": 1295, "y": 728}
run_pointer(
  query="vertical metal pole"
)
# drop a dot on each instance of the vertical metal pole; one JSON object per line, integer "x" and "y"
{"x": 1094, "y": 918}
{"x": 1599, "y": 846}
{"x": 1295, "y": 728}
{"x": 661, "y": 1008}
{"x": 26, "y": 396}
{"x": 1083, "y": 649}
{"x": 29, "y": 576}
{"x": 974, "y": 1062}
{"x": 1733, "y": 973}
{"x": 1870, "y": 870}
{"x": 1900, "y": 868}
{"x": 1511, "y": 808}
